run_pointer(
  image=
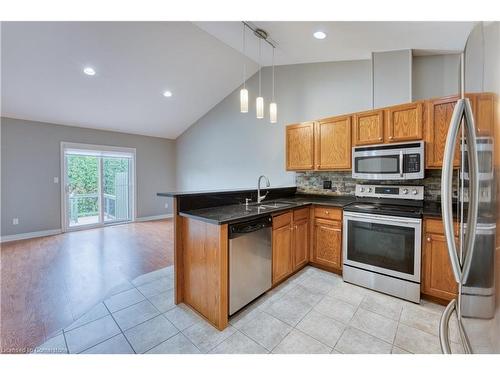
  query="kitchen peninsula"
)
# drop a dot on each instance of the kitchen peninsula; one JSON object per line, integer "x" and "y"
{"x": 201, "y": 221}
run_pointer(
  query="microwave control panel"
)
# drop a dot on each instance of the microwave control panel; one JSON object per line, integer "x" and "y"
{"x": 412, "y": 163}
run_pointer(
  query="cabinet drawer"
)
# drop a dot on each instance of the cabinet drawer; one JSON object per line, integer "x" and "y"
{"x": 436, "y": 226}
{"x": 300, "y": 214}
{"x": 282, "y": 220}
{"x": 325, "y": 212}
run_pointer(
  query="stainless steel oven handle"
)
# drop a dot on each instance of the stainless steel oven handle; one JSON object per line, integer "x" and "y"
{"x": 444, "y": 339}
{"x": 401, "y": 163}
{"x": 447, "y": 188}
{"x": 382, "y": 218}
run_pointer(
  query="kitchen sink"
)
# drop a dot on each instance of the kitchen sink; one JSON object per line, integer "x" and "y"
{"x": 275, "y": 205}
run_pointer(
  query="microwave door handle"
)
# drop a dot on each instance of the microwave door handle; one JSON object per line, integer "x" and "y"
{"x": 447, "y": 188}
{"x": 401, "y": 157}
{"x": 470, "y": 233}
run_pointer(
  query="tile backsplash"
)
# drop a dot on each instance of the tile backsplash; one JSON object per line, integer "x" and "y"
{"x": 344, "y": 184}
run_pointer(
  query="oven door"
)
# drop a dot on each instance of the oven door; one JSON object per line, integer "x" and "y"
{"x": 388, "y": 245}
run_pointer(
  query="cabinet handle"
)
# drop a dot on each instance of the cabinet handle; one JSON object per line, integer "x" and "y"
{"x": 327, "y": 212}
{"x": 428, "y": 239}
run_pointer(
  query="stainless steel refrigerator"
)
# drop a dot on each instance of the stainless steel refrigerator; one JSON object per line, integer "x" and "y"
{"x": 474, "y": 257}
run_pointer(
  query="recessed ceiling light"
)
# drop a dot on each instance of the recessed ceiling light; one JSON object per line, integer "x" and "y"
{"x": 167, "y": 94}
{"x": 319, "y": 35}
{"x": 89, "y": 71}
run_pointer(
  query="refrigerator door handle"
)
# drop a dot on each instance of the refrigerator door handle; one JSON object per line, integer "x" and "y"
{"x": 470, "y": 234}
{"x": 447, "y": 187}
{"x": 444, "y": 339}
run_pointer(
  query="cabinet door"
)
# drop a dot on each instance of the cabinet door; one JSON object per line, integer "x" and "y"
{"x": 282, "y": 247}
{"x": 484, "y": 115}
{"x": 438, "y": 280}
{"x": 300, "y": 243}
{"x": 333, "y": 143}
{"x": 439, "y": 114}
{"x": 404, "y": 122}
{"x": 300, "y": 147}
{"x": 368, "y": 127}
{"x": 327, "y": 248}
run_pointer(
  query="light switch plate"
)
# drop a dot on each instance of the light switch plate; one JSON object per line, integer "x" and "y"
{"x": 15, "y": 221}
{"x": 56, "y": 180}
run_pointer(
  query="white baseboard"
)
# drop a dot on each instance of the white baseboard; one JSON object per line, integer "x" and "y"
{"x": 24, "y": 236}
{"x": 156, "y": 217}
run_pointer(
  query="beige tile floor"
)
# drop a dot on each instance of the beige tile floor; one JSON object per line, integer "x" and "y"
{"x": 312, "y": 312}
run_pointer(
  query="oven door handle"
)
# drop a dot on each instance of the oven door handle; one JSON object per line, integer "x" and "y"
{"x": 401, "y": 158}
{"x": 381, "y": 218}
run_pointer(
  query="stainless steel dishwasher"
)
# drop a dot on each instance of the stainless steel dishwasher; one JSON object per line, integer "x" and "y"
{"x": 250, "y": 268}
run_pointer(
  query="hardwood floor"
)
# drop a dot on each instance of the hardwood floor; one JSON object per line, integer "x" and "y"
{"x": 48, "y": 282}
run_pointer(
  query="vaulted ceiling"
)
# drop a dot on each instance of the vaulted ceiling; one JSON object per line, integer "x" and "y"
{"x": 200, "y": 63}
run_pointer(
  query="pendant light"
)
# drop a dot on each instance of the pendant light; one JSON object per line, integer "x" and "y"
{"x": 273, "y": 108}
{"x": 244, "y": 91}
{"x": 259, "y": 102}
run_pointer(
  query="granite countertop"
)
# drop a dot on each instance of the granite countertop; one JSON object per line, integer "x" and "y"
{"x": 234, "y": 213}
{"x": 432, "y": 208}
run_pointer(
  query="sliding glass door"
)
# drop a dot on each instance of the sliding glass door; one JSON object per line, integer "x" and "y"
{"x": 98, "y": 185}
{"x": 116, "y": 189}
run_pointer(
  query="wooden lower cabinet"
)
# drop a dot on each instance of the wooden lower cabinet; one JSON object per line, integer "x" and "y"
{"x": 282, "y": 247}
{"x": 327, "y": 240}
{"x": 437, "y": 275}
{"x": 300, "y": 239}
{"x": 290, "y": 243}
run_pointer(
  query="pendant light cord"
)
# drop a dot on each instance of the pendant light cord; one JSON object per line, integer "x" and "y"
{"x": 260, "y": 69}
{"x": 273, "y": 76}
{"x": 244, "y": 61}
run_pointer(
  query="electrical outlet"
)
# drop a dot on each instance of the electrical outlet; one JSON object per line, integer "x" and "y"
{"x": 56, "y": 180}
{"x": 15, "y": 221}
{"x": 327, "y": 185}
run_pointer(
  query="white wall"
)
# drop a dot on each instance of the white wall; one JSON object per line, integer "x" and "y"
{"x": 227, "y": 149}
{"x": 392, "y": 78}
{"x": 435, "y": 76}
{"x": 30, "y": 156}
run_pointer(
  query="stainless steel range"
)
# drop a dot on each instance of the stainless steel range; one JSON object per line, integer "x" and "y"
{"x": 382, "y": 239}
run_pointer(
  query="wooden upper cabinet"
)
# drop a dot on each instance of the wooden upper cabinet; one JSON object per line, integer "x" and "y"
{"x": 300, "y": 147}
{"x": 439, "y": 112}
{"x": 368, "y": 127}
{"x": 333, "y": 143}
{"x": 282, "y": 247}
{"x": 404, "y": 122}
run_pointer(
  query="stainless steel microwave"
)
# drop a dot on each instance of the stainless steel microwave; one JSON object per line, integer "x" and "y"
{"x": 397, "y": 161}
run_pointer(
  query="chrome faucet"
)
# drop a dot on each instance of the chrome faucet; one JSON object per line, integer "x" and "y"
{"x": 259, "y": 197}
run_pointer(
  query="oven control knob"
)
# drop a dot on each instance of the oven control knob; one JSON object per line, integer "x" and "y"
{"x": 361, "y": 189}
{"x": 414, "y": 191}
{"x": 405, "y": 191}
{"x": 369, "y": 190}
